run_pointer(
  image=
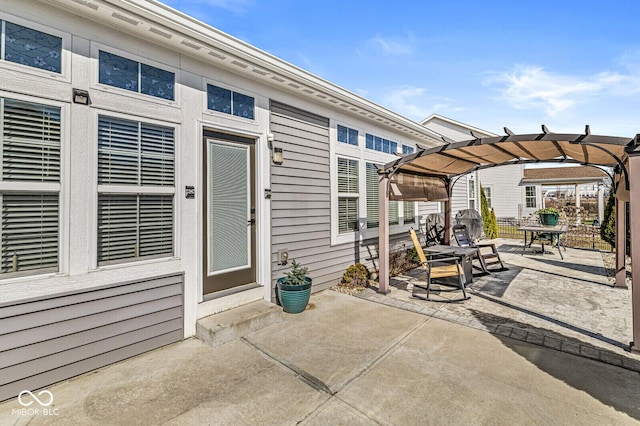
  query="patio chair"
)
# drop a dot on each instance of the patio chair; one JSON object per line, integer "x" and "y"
{"x": 434, "y": 229}
{"x": 461, "y": 234}
{"x": 437, "y": 267}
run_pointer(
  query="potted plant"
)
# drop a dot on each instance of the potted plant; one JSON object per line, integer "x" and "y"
{"x": 549, "y": 216}
{"x": 294, "y": 289}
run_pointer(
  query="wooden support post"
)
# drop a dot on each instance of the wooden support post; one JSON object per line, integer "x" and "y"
{"x": 634, "y": 203}
{"x": 621, "y": 273}
{"x": 383, "y": 233}
{"x": 447, "y": 214}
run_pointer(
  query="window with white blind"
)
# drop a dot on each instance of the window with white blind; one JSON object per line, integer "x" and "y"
{"x": 136, "y": 185}
{"x": 354, "y": 185}
{"x": 373, "y": 211}
{"x": 29, "y": 187}
{"x": 348, "y": 195}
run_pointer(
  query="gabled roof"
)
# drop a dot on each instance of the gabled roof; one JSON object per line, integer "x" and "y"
{"x": 564, "y": 175}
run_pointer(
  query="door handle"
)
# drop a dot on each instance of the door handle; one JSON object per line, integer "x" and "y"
{"x": 251, "y": 222}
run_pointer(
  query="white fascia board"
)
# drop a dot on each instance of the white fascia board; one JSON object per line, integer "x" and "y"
{"x": 199, "y": 39}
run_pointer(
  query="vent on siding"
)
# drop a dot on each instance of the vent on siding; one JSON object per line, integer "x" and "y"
{"x": 160, "y": 33}
{"x": 124, "y": 18}
{"x": 87, "y": 3}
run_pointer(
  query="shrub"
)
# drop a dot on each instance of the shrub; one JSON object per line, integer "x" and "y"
{"x": 412, "y": 255}
{"x": 489, "y": 221}
{"x": 356, "y": 275}
{"x": 608, "y": 227}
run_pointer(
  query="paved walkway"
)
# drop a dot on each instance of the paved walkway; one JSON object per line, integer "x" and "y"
{"x": 347, "y": 361}
{"x": 567, "y": 305}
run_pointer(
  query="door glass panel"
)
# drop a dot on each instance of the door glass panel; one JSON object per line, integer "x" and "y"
{"x": 229, "y": 233}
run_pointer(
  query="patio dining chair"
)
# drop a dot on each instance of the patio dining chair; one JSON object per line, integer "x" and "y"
{"x": 486, "y": 258}
{"x": 436, "y": 267}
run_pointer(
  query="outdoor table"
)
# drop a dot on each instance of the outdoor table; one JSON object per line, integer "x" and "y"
{"x": 465, "y": 254}
{"x": 556, "y": 230}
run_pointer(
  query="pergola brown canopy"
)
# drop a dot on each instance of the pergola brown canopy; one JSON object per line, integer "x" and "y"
{"x": 427, "y": 175}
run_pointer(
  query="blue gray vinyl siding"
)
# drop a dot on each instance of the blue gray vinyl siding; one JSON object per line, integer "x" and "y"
{"x": 48, "y": 339}
{"x": 301, "y": 202}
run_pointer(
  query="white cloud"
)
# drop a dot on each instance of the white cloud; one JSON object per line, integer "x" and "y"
{"x": 408, "y": 101}
{"x": 394, "y": 46}
{"x": 417, "y": 103}
{"x": 530, "y": 87}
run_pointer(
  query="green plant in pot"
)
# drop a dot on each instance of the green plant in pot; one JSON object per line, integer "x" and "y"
{"x": 294, "y": 289}
{"x": 549, "y": 216}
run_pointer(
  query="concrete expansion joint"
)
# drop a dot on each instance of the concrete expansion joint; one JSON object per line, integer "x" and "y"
{"x": 306, "y": 377}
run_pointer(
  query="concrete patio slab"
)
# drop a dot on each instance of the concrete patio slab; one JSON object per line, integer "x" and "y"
{"x": 469, "y": 377}
{"x": 324, "y": 343}
{"x": 568, "y": 305}
{"x": 347, "y": 361}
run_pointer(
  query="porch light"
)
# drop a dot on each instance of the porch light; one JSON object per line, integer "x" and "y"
{"x": 277, "y": 156}
{"x": 80, "y": 97}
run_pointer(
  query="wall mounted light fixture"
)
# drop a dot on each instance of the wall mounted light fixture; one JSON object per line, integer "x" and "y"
{"x": 277, "y": 155}
{"x": 80, "y": 97}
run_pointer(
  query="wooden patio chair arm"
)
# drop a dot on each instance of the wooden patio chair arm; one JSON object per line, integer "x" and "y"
{"x": 443, "y": 259}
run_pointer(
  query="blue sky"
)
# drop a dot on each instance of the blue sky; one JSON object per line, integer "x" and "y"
{"x": 489, "y": 64}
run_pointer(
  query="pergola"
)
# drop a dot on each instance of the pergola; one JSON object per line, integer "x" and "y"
{"x": 429, "y": 175}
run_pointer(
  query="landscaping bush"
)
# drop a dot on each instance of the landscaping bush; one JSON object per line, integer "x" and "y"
{"x": 356, "y": 275}
{"x": 489, "y": 221}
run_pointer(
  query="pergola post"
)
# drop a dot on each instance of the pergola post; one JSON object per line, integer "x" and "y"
{"x": 634, "y": 203}
{"x": 578, "y": 216}
{"x": 601, "y": 203}
{"x": 383, "y": 233}
{"x": 621, "y": 273}
{"x": 447, "y": 214}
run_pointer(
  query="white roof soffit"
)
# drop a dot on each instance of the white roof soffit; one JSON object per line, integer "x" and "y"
{"x": 165, "y": 26}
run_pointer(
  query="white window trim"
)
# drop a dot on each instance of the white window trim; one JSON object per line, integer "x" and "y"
{"x": 63, "y": 187}
{"x": 534, "y": 196}
{"x": 97, "y": 189}
{"x": 65, "y": 61}
{"x": 471, "y": 178}
{"x": 489, "y": 198}
{"x": 362, "y": 155}
{"x": 95, "y": 75}
{"x": 240, "y": 90}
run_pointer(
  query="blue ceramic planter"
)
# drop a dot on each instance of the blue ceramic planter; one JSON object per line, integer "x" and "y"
{"x": 294, "y": 298}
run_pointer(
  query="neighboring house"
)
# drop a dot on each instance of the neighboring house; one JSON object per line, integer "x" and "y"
{"x": 553, "y": 183}
{"x": 154, "y": 170}
{"x": 501, "y": 184}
